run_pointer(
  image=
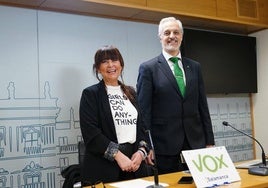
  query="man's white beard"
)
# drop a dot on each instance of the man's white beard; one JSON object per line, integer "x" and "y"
{"x": 170, "y": 48}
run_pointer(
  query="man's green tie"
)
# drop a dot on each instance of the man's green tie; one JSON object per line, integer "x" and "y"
{"x": 178, "y": 74}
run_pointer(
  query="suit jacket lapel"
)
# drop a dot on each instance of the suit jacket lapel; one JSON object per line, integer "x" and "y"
{"x": 163, "y": 65}
{"x": 188, "y": 75}
{"x": 104, "y": 102}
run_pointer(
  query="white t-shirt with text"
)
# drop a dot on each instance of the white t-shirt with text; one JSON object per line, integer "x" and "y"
{"x": 124, "y": 115}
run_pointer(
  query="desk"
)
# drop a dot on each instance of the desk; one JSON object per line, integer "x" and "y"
{"x": 247, "y": 180}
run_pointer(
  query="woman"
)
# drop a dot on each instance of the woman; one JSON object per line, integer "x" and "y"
{"x": 110, "y": 123}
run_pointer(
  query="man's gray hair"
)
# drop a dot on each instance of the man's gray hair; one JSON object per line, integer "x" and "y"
{"x": 168, "y": 19}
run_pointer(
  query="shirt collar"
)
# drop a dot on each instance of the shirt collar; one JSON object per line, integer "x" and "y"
{"x": 167, "y": 56}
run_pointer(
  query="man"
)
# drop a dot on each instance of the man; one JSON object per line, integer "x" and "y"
{"x": 178, "y": 119}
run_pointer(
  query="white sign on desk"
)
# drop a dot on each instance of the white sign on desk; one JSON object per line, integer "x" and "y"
{"x": 211, "y": 167}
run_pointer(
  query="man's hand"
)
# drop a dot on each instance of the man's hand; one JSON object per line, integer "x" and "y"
{"x": 150, "y": 158}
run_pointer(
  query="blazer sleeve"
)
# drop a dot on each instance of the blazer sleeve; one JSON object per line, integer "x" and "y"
{"x": 144, "y": 92}
{"x": 90, "y": 126}
{"x": 204, "y": 111}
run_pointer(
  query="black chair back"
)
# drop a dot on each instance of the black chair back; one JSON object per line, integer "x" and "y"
{"x": 81, "y": 152}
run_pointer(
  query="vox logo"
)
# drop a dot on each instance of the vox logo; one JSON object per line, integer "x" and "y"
{"x": 209, "y": 162}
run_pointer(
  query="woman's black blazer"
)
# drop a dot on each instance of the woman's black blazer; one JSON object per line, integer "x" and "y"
{"x": 98, "y": 131}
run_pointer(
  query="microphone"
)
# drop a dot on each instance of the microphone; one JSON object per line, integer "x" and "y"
{"x": 261, "y": 170}
{"x": 154, "y": 167}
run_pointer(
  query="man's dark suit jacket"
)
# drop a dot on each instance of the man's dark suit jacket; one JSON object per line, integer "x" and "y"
{"x": 98, "y": 130}
{"x": 168, "y": 115}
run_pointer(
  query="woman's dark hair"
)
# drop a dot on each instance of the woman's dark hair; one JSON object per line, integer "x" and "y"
{"x": 110, "y": 52}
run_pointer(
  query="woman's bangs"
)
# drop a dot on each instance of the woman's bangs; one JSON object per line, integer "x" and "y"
{"x": 109, "y": 54}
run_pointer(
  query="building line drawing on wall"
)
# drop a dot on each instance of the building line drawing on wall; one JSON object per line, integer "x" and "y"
{"x": 34, "y": 146}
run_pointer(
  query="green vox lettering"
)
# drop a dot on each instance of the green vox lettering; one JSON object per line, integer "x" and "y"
{"x": 209, "y": 163}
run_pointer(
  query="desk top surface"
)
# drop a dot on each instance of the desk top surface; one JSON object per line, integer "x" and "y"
{"x": 247, "y": 180}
